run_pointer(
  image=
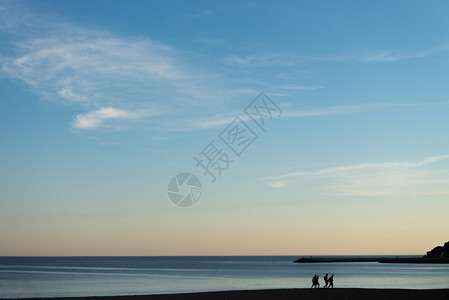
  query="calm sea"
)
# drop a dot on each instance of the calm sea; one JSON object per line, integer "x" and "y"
{"x": 95, "y": 276}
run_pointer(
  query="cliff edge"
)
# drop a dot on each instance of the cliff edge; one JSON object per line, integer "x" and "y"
{"x": 438, "y": 252}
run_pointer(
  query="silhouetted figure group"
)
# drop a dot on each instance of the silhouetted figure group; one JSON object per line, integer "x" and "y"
{"x": 328, "y": 281}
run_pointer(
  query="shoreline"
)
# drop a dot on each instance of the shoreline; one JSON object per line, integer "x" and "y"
{"x": 300, "y": 293}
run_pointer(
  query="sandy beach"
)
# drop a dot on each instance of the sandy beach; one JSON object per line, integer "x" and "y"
{"x": 306, "y": 294}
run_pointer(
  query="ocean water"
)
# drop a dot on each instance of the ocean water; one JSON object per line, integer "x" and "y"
{"x": 99, "y": 276}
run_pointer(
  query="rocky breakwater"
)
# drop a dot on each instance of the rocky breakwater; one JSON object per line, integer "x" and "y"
{"x": 438, "y": 255}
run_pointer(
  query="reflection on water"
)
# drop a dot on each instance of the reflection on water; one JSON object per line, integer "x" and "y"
{"x": 85, "y": 276}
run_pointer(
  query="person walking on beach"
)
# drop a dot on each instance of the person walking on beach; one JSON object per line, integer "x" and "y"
{"x": 325, "y": 281}
{"x": 331, "y": 281}
{"x": 315, "y": 282}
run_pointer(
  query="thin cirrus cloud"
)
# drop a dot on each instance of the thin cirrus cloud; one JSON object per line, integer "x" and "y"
{"x": 330, "y": 110}
{"x": 311, "y": 112}
{"x": 278, "y": 184}
{"x": 220, "y": 120}
{"x": 301, "y": 87}
{"x": 262, "y": 59}
{"x": 398, "y": 179}
{"x": 391, "y": 57}
{"x": 384, "y": 56}
{"x": 96, "y": 118}
{"x": 392, "y": 182}
{"x": 347, "y": 168}
{"x": 96, "y": 69}
{"x": 111, "y": 77}
{"x": 355, "y": 108}
{"x": 81, "y": 68}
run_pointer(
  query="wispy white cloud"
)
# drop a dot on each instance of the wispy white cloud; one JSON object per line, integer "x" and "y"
{"x": 301, "y": 87}
{"x": 331, "y": 110}
{"x": 211, "y": 121}
{"x": 383, "y": 165}
{"x": 217, "y": 121}
{"x": 398, "y": 179}
{"x": 278, "y": 184}
{"x": 94, "y": 119}
{"x": 354, "y": 108}
{"x": 391, "y": 57}
{"x": 397, "y": 182}
{"x": 262, "y": 59}
{"x": 95, "y": 69}
{"x": 384, "y": 56}
{"x": 77, "y": 68}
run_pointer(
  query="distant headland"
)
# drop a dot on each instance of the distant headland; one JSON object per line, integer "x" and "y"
{"x": 438, "y": 255}
{"x": 439, "y": 252}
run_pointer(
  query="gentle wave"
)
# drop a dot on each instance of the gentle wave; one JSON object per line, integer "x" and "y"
{"x": 100, "y": 276}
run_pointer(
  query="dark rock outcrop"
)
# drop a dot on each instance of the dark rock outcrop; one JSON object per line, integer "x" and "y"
{"x": 439, "y": 252}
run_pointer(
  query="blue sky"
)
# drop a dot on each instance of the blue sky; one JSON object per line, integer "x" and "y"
{"x": 103, "y": 102}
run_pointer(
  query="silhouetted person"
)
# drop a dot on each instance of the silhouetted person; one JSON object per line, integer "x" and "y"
{"x": 331, "y": 281}
{"x": 325, "y": 281}
{"x": 315, "y": 282}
